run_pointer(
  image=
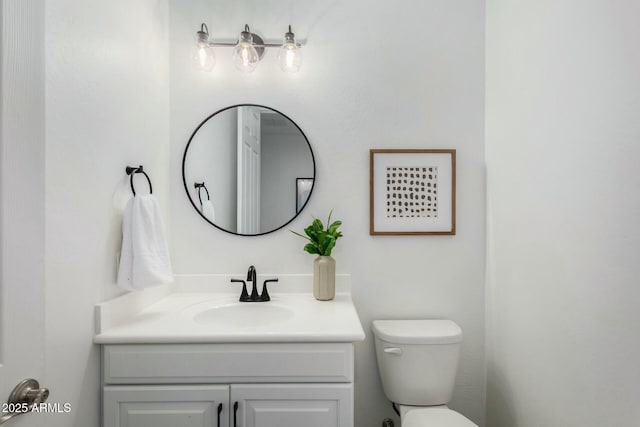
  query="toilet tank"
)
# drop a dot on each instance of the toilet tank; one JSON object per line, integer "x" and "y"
{"x": 418, "y": 360}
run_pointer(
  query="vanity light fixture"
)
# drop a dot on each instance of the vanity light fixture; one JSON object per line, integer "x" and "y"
{"x": 290, "y": 55}
{"x": 203, "y": 56}
{"x": 248, "y": 51}
{"x": 245, "y": 56}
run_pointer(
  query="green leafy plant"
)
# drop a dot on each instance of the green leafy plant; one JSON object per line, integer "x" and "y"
{"x": 321, "y": 240}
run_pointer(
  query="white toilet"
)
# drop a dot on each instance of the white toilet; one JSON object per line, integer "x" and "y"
{"x": 418, "y": 361}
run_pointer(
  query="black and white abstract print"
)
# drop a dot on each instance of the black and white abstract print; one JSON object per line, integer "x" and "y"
{"x": 412, "y": 192}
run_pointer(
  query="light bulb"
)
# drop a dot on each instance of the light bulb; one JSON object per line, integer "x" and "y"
{"x": 245, "y": 55}
{"x": 290, "y": 55}
{"x": 202, "y": 56}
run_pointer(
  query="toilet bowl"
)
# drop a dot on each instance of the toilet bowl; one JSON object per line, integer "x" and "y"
{"x": 418, "y": 362}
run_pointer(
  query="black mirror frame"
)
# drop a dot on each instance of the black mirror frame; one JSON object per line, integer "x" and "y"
{"x": 186, "y": 187}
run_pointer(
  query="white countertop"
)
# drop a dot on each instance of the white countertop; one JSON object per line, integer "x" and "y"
{"x": 185, "y": 316}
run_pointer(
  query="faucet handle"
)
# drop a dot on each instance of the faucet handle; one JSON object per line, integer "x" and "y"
{"x": 265, "y": 293}
{"x": 244, "y": 296}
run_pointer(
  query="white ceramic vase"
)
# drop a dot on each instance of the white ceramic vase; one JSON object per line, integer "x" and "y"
{"x": 324, "y": 278}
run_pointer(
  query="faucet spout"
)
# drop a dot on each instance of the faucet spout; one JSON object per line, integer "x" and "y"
{"x": 252, "y": 277}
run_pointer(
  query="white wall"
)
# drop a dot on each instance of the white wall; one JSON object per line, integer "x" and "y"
{"x": 107, "y": 107}
{"x": 412, "y": 77}
{"x": 563, "y": 96}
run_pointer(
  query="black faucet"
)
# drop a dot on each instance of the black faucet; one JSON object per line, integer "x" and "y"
{"x": 251, "y": 277}
{"x": 254, "y": 297}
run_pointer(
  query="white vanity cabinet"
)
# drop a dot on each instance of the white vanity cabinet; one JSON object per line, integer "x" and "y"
{"x": 228, "y": 385}
{"x": 284, "y": 405}
{"x": 165, "y": 406}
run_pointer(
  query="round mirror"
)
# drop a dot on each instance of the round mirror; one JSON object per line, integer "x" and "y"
{"x": 248, "y": 169}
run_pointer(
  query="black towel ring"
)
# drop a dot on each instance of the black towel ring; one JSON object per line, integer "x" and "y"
{"x": 131, "y": 171}
{"x": 199, "y": 186}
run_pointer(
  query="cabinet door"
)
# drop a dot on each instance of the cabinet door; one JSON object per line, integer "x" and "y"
{"x": 292, "y": 405}
{"x": 166, "y": 406}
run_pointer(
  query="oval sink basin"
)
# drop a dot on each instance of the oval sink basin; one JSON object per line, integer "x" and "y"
{"x": 243, "y": 315}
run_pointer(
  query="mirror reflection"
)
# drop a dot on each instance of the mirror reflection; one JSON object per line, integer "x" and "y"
{"x": 248, "y": 169}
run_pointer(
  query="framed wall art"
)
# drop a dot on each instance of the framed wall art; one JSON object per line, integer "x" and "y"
{"x": 412, "y": 192}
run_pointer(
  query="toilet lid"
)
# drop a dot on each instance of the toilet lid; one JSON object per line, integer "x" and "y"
{"x": 435, "y": 417}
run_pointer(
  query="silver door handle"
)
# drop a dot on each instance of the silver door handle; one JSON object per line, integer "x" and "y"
{"x": 23, "y": 398}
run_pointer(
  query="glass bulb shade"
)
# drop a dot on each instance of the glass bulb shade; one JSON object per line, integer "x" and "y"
{"x": 203, "y": 57}
{"x": 290, "y": 57}
{"x": 245, "y": 56}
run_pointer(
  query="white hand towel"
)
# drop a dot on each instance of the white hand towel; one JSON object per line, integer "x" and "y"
{"x": 144, "y": 259}
{"x": 208, "y": 211}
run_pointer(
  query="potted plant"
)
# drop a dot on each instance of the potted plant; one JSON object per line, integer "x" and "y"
{"x": 321, "y": 243}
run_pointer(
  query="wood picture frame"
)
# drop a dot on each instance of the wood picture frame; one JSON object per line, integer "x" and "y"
{"x": 412, "y": 192}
